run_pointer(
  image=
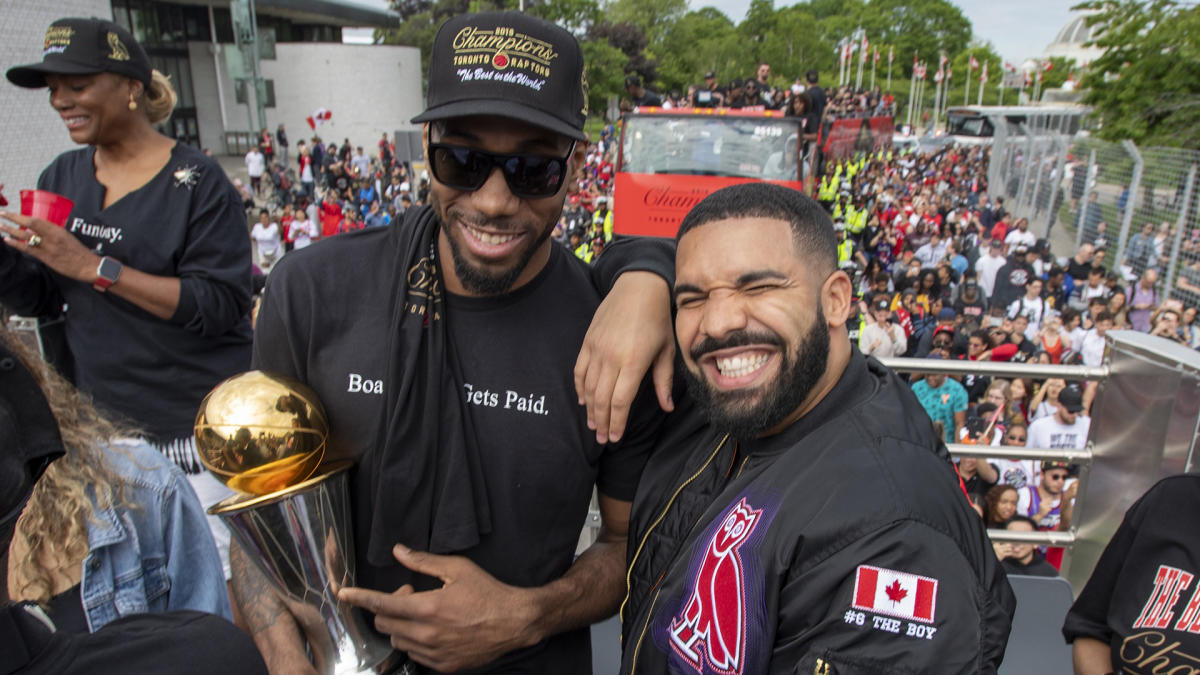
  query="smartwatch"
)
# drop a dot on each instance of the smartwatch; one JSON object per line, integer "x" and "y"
{"x": 107, "y": 273}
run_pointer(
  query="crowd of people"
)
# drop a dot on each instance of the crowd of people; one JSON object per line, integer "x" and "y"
{"x": 804, "y": 95}
{"x": 453, "y": 285}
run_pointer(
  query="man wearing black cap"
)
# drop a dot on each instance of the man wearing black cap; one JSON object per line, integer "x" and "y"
{"x": 442, "y": 348}
{"x": 639, "y": 95}
{"x": 171, "y": 642}
{"x": 711, "y": 95}
{"x": 1066, "y": 428}
{"x": 882, "y": 336}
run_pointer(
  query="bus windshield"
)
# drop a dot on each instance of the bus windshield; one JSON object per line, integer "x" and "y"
{"x": 968, "y": 124}
{"x": 748, "y": 147}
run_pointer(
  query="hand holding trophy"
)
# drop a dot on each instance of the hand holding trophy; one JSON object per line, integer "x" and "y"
{"x": 264, "y": 435}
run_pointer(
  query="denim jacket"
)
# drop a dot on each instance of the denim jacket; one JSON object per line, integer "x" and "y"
{"x": 157, "y": 557}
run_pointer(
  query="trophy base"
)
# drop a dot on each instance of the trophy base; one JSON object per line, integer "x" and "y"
{"x": 300, "y": 539}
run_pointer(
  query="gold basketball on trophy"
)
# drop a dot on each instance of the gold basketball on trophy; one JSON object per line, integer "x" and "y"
{"x": 259, "y": 433}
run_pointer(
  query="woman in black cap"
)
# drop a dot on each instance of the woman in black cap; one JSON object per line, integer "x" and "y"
{"x": 153, "y": 262}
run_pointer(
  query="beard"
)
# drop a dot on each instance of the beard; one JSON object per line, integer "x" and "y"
{"x": 749, "y": 413}
{"x": 476, "y": 279}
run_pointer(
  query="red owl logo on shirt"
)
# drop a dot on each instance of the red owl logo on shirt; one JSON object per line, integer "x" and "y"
{"x": 712, "y": 626}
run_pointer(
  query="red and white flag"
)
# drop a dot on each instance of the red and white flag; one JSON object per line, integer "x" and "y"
{"x": 898, "y": 594}
{"x": 943, "y": 60}
{"x": 1010, "y": 67}
{"x": 319, "y": 117}
{"x": 914, "y": 59}
{"x": 864, "y": 49}
{"x": 937, "y": 77}
{"x": 949, "y": 74}
{"x": 972, "y": 63}
{"x": 876, "y": 53}
{"x": 1047, "y": 66}
{"x": 983, "y": 75}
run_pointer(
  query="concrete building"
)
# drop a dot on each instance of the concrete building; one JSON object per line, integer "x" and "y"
{"x": 33, "y": 133}
{"x": 1071, "y": 38}
{"x": 369, "y": 89}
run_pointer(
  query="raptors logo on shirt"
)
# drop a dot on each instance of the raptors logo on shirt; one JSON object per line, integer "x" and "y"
{"x": 711, "y": 627}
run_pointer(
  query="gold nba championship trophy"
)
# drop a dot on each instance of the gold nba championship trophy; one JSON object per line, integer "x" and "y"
{"x": 264, "y": 435}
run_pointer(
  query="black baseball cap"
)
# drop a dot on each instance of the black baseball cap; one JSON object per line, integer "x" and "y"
{"x": 508, "y": 64}
{"x": 881, "y": 303}
{"x": 29, "y": 436}
{"x": 1071, "y": 399}
{"x": 76, "y": 46}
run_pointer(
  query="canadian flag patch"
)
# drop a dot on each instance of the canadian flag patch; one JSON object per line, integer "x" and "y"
{"x": 898, "y": 594}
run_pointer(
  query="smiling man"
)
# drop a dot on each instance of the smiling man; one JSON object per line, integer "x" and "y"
{"x": 799, "y": 514}
{"x": 443, "y": 349}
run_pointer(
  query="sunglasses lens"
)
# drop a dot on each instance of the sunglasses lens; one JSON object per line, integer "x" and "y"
{"x": 460, "y": 168}
{"x": 467, "y": 169}
{"x": 534, "y": 176}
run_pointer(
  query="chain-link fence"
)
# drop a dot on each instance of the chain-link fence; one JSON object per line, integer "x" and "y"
{"x": 1139, "y": 207}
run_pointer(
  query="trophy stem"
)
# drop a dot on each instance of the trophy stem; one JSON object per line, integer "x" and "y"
{"x": 300, "y": 539}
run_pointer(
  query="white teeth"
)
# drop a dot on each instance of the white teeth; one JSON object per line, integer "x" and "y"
{"x": 491, "y": 239}
{"x": 737, "y": 366}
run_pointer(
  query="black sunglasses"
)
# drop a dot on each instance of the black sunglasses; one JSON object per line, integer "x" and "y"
{"x": 529, "y": 176}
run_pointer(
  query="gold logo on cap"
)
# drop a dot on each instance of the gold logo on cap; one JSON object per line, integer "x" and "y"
{"x": 58, "y": 38}
{"x": 503, "y": 48}
{"x": 119, "y": 53}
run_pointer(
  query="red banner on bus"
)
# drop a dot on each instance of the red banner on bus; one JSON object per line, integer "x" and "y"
{"x": 845, "y": 137}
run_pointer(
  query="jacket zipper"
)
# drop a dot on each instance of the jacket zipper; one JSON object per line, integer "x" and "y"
{"x": 629, "y": 574}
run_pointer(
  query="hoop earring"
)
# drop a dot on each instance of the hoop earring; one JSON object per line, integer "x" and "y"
{"x": 132, "y": 103}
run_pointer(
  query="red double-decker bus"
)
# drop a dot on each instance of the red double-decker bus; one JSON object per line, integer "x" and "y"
{"x": 668, "y": 160}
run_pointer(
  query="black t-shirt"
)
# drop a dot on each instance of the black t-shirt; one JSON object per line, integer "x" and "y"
{"x": 1143, "y": 598}
{"x": 171, "y": 643}
{"x": 186, "y": 222}
{"x": 1078, "y": 271}
{"x": 648, "y": 98}
{"x": 1010, "y": 283}
{"x": 819, "y": 100}
{"x": 516, "y": 353}
{"x": 971, "y": 309}
{"x": 1038, "y": 567}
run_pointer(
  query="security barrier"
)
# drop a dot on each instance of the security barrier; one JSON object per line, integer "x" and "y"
{"x": 1145, "y": 418}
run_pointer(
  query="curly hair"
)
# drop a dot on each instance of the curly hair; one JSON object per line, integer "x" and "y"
{"x": 990, "y": 500}
{"x": 52, "y": 530}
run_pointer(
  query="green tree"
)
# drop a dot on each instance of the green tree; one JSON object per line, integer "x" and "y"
{"x": 923, "y": 27}
{"x": 604, "y": 66}
{"x": 696, "y": 43}
{"x": 651, "y": 17}
{"x": 1146, "y": 86}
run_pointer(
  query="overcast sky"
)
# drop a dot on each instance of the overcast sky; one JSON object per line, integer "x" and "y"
{"x": 1018, "y": 29}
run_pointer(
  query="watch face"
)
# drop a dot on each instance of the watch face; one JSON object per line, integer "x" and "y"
{"x": 108, "y": 271}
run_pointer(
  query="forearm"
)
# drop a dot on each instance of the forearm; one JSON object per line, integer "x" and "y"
{"x": 1091, "y": 657}
{"x": 985, "y": 469}
{"x": 156, "y": 295}
{"x": 275, "y": 632}
{"x": 590, "y": 591}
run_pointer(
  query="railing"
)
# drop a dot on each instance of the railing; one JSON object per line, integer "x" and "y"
{"x": 1001, "y": 369}
{"x": 996, "y": 369}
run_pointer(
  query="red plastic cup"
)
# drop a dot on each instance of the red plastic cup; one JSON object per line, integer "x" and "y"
{"x": 46, "y": 205}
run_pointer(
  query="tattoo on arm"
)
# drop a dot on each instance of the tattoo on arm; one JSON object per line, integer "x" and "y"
{"x": 255, "y": 597}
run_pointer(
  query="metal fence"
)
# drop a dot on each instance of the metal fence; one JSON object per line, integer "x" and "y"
{"x": 1139, "y": 206}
